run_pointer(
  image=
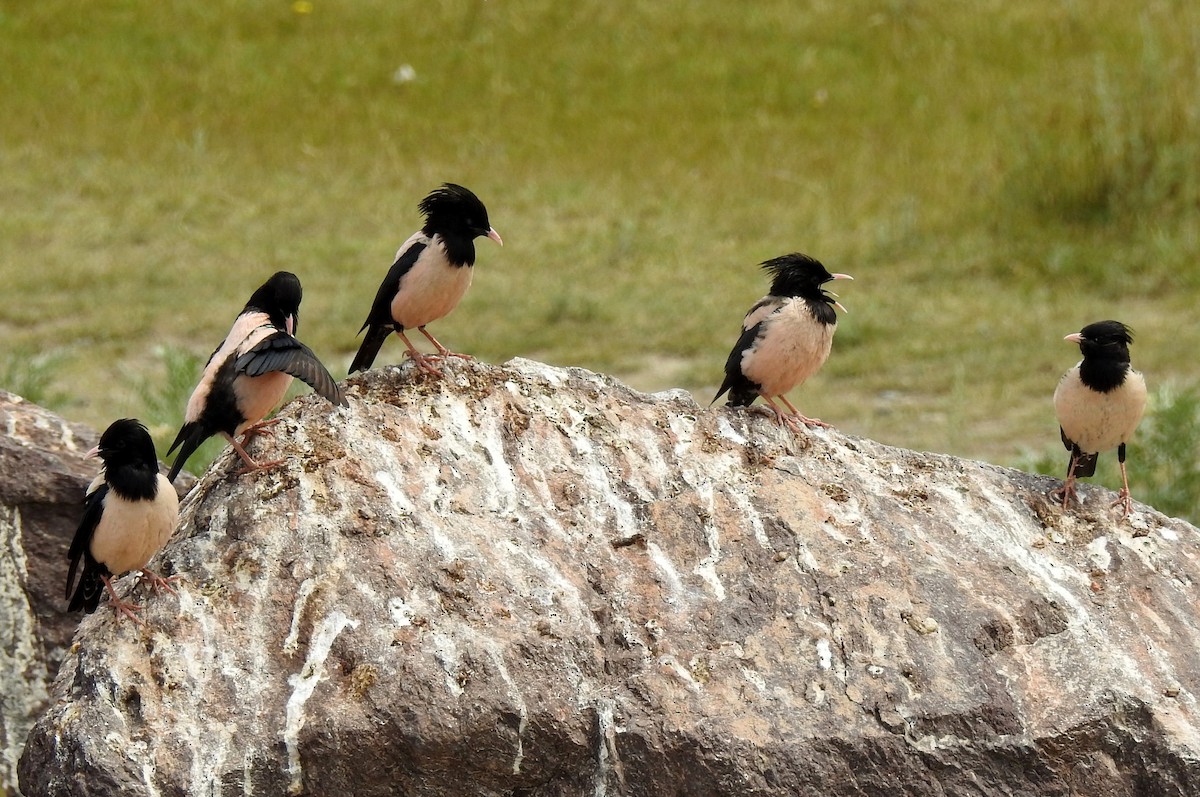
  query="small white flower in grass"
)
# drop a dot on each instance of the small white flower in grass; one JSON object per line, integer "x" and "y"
{"x": 404, "y": 74}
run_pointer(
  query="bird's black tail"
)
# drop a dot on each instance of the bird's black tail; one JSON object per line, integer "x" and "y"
{"x": 371, "y": 344}
{"x": 91, "y": 584}
{"x": 1085, "y": 464}
{"x": 741, "y": 390}
{"x": 190, "y": 436}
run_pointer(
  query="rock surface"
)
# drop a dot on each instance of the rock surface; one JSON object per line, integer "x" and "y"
{"x": 42, "y": 480}
{"x": 525, "y": 580}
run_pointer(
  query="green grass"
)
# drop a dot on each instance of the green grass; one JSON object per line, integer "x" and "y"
{"x": 995, "y": 175}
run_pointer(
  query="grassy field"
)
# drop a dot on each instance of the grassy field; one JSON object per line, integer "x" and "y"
{"x": 994, "y": 174}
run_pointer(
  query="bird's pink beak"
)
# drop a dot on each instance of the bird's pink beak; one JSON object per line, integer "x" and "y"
{"x": 837, "y": 304}
{"x": 495, "y": 236}
{"x": 1074, "y": 337}
{"x": 95, "y": 452}
{"x": 291, "y": 324}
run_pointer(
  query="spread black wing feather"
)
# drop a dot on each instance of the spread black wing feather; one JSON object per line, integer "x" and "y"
{"x": 282, "y": 352}
{"x": 742, "y": 391}
{"x": 379, "y": 323}
{"x": 87, "y": 594}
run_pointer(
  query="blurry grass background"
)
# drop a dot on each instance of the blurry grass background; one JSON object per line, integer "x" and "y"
{"x": 994, "y": 174}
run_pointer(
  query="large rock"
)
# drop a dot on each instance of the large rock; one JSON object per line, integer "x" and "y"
{"x": 535, "y": 581}
{"x": 42, "y": 480}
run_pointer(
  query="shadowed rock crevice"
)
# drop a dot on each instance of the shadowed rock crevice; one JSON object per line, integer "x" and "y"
{"x": 533, "y": 580}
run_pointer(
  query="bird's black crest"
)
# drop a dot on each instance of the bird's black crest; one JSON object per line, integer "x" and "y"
{"x": 1106, "y": 333}
{"x": 453, "y": 210}
{"x": 797, "y": 275}
{"x": 279, "y": 297}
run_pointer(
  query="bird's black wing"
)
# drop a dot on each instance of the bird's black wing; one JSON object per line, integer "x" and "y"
{"x": 742, "y": 391}
{"x": 282, "y": 352}
{"x": 88, "y": 594}
{"x": 379, "y": 323}
{"x": 381, "y": 309}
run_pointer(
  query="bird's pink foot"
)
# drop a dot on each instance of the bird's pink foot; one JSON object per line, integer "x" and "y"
{"x": 1066, "y": 493}
{"x": 793, "y": 419}
{"x": 815, "y": 423}
{"x": 157, "y": 582}
{"x": 260, "y": 429}
{"x": 425, "y": 362}
{"x": 1125, "y": 501}
{"x": 121, "y": 607}
{"x": 251, "y": 466}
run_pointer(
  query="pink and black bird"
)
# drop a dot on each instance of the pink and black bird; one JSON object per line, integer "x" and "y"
{"x": 429, "y": 277}
{"x": 786, "y": 337}
{"x": 249, "y": 373}
{"x": 130, "y": 511}
{"x": 1099, "y": 404}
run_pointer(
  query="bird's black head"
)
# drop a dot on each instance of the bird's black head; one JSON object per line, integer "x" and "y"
{"x": 1107, "y": 340}
{"x": 800, "y": 275}
{"x": 457, "y": 215}
{"x": 124, "y": 443}
{"x": 279, "y": 297}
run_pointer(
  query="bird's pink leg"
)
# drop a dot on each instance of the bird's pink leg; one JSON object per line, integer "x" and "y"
{"x": 120, "y": 606}
{"x": 423, "y": 361}
{"x": 251, "y": 464}
{"x": 1124, "y": 499}
{"x": 1067, "y": 491}
{"x": 803, "y": 419}
{"x": 442, "y": 350}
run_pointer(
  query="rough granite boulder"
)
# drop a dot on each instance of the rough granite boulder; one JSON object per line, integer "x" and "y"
{"x": 43, "y": 476}
{"x": 526, "y": 580}
{"x": 42, "y": 479}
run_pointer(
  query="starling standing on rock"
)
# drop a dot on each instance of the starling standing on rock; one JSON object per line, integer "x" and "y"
{"x": 786, "y": 338}
{"x": 248, "y": 374}
{"x": 1099, "y": 403}
{"x": 430, "y": 275}
{"x": 129, "y": 513}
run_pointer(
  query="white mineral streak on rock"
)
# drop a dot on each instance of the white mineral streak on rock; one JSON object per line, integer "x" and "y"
{"x": 824, "y": 654}
{"x": 707, "y": 568}
{"x": 496, "y": 654}
{"x": 19, "y": 661}
{"x": 303, "y": 684}
{"x": 445, "y": 651}
{"x": 306, "y": 588}
{"x": 729, "y": 433}
{"x": 667, "y": 568}
{"x": 1098, "y": 552}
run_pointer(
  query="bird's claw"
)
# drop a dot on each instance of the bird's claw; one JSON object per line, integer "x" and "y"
{"x": 260, "y": 429}
{"x": 251, "y": 467}
{"x": 1125, "y": 501}
{"x": 120, "y": 607}
{"x": 1066, "y": 493}
{"x": 423, "y": 361}
{"x": 157, "y": 582}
